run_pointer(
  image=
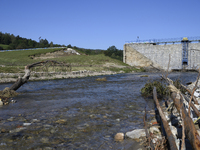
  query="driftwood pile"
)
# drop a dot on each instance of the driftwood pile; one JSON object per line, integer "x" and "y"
{"x": 184, "y": 108}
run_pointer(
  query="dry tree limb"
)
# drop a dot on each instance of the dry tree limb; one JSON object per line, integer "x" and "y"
{"x": 169, "y": 134}
{"x": 196, "y": 111}
{"x": 193, "y": 93}
{"x": 170, "y": 82}
{"x": 174, "y": 89}
{"x": 190, "y": 129}
{"x": 21, "y": 80}
{"x": 183, "y": 131}
{"x": 193, "y": 98}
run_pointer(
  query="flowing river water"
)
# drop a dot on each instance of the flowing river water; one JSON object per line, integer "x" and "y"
{"x": 77, "y": 113}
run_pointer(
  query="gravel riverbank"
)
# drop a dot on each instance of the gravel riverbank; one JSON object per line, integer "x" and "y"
{"x": 35, "y": 76}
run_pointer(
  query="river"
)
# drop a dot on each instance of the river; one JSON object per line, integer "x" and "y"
{"x": 79, "y": 113}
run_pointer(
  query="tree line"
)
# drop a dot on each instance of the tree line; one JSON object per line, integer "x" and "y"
{"x": 11, "y": 41}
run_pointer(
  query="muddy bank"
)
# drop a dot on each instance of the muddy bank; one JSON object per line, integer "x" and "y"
{"x": 35, "y": 76}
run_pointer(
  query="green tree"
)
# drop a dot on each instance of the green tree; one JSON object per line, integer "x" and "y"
{"x": 1, "y": 38}
{"x": 44, "y": 43}
{"x": 31, "y": 43}
{"x": 7, "y": 39}
{"x": 110, "y": 51}
{"x": 69, "y": 46}
{"x": 51, "y": 44}
{"x": 113, "y": 52}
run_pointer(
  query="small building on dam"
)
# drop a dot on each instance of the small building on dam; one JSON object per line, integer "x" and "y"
{"x": 178, "y": 54}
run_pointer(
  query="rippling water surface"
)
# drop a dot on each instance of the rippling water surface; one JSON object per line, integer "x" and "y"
{"x": 79, "y": 113}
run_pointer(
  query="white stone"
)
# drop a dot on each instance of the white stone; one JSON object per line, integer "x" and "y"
{"x": 26, "y": 124}
{"x": 196, "y": 94}
{"x": 136, "y": 134}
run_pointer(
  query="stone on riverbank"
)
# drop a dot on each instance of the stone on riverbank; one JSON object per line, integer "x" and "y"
{"x": 136, "y": 134}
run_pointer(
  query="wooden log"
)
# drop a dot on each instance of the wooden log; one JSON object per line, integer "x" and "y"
{"x": 169, "y": 134}
{"x": 193, "y": 98}
{"x": 190, "y": 129}
{"x": 21, "y": 80}
{"x": 169, "y": 81}
{"x": 196, "y": 111}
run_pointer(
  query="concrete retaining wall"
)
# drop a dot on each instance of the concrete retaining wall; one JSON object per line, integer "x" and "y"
{"x": 146, "y": 54}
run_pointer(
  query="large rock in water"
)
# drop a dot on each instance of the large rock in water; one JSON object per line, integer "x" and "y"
{"x": 136, "y": 134}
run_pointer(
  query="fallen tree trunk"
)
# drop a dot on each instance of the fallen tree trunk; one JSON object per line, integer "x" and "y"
{"x": 169, "y": 134}
{"x": 190, "y": 129}
{"x": 21, "y": 80}
{"x": 191, "y": 93}
{"x": 169, "y": 81}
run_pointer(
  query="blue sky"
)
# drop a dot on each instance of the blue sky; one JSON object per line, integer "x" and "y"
{"x": 99, "y": 24}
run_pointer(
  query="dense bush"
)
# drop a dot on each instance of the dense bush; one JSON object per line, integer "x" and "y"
{"x": 113, "y": 52}
{"x": 147, "y": 90}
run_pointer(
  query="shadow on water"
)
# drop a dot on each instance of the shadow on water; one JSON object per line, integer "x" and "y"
{"x": 79, "y": 113}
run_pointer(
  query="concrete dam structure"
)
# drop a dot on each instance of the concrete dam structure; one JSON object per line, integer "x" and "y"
{"x": 182, "y": 54}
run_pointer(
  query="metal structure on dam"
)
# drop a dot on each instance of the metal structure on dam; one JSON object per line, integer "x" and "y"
{"x": 183, "y": 53}
{"x": 166, "y": 41}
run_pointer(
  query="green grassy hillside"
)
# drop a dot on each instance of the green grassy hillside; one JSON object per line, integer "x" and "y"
{"x": 14, "y": 61}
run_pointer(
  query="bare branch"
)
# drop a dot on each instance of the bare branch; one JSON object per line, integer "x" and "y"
{"x": 193, "y": 92}
{"x": 183, "y": 131}
{"x": 25, "y": 78}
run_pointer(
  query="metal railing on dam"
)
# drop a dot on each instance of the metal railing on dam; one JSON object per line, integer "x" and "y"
{"x": 166, "y": 41}
{"x": 31, "y": 49}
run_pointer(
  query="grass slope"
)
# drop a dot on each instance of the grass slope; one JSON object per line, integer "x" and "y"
{"x": 4, "y": 46}
{"x": 14, "y": 61}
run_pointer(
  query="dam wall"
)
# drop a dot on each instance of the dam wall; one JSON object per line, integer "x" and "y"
{"x": 159, "y": 56}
